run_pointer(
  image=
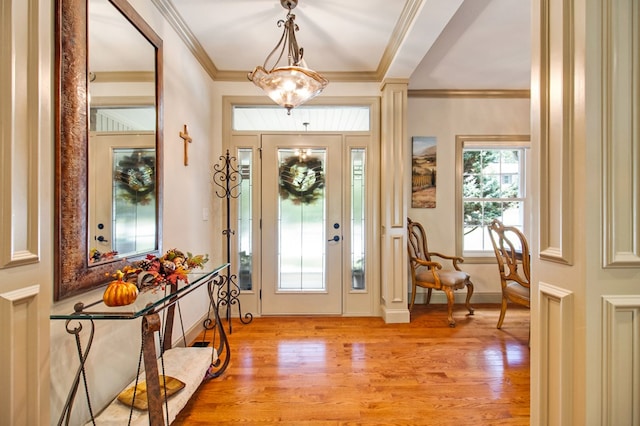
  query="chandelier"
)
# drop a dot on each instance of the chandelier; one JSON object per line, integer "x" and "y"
{"x": 294, "y": 84}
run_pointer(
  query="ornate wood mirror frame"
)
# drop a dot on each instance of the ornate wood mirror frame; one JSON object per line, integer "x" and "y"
{"x": 73, "y": 273}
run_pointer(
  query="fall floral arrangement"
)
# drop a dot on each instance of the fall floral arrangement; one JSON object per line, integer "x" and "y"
{"x": 96, "y": 255}
{"x": 171, "y": 267}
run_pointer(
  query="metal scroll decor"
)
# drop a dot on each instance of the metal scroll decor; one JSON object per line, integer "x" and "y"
{"x": 227, "y": 178}
{"x": 301, "y": 179}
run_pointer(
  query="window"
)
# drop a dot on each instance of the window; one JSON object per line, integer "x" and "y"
{"x": 358, "y": 218}
{"x": 245, "y": 221}
{"x": 315, "y": 118}
{"x": 122, "y": 118}
{"x": 491, "y": 185}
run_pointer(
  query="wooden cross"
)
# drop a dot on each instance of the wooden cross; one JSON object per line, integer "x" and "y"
{"x": 187, "y": 140}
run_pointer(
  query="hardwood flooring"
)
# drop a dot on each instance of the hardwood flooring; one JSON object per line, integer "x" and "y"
{"x": 361, "y": 371}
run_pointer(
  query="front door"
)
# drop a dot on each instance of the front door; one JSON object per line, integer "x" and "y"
{"x": 122, "y": 207}
{"x": 302, "y": 224}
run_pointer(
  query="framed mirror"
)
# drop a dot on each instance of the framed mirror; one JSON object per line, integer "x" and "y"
{"x": 108, "y": 166}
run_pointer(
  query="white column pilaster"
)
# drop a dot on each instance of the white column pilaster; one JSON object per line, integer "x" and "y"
{"x": 393, "y": 202}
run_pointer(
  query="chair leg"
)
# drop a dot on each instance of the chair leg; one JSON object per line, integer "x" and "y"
{"x": 469, "y": 294}
{"x": 503, "y": 310}
{"x": 413, "y": 296}
{"x": 450, "y": 300}
{"x": 429, "y": 295}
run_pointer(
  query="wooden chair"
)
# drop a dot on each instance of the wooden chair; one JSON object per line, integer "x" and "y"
{"x": 512, "y": 253}
{"x": 429, "y": 274}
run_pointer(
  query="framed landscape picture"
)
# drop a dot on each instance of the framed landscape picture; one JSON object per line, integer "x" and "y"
{"x": 423, "y": 172}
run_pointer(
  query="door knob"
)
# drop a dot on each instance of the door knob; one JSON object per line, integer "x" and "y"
{"x": 101, "y": 239}
{"x": 335, "y": 238}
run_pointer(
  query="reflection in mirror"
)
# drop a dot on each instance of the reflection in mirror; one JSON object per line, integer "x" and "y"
{"x": 134, "y": 200}
{"x": 121, "y": 192}
{"x": 109, "y": 135}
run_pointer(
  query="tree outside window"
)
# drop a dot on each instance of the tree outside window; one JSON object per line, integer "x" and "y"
{"x": 492, "y": 188}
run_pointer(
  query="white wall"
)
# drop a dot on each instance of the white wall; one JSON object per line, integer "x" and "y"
{"x": 187, "y": 192}
{"x": 445, "y": 118}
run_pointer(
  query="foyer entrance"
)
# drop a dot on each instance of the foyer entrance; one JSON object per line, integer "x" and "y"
{"x": 306, "y": 228}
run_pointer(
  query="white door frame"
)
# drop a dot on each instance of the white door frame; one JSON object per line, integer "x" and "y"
{"x": 355, "y": 303}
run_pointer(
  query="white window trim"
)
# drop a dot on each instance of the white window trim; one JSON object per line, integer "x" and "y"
{"x": 487, "y": 142}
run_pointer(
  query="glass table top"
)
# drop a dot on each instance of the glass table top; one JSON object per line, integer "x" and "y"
{"x": 148, "y": 301}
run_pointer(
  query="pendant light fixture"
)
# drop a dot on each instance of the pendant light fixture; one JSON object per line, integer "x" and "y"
{"x": 293, "y": 84}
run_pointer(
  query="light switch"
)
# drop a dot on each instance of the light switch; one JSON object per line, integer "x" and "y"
{"x": 205, "y": 214}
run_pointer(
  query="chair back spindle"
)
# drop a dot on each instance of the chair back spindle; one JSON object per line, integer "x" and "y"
{"x": 511, "y": 249}
{"x": 417, "y": 241}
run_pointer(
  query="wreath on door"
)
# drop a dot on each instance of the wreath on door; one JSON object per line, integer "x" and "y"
{"x": 301, "y": 180}
{"x": 136, "y": 174}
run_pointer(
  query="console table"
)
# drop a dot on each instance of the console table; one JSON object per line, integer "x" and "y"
{"x": 203, "y": 362}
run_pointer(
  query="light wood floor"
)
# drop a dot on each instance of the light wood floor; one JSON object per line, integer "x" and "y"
{"x": 351, "y": 371}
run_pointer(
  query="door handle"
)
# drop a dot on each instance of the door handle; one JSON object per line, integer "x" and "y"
{"x": 101, "y": 239}
{"x": 335, "y": 238}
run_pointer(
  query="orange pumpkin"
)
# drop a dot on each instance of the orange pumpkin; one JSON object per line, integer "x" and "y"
{"x": 120, "y": 293}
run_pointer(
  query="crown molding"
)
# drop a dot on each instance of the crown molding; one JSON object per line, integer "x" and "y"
{"x": 353, "y": 76}
{"x": 120, "y": 101}
{"x": 335, "y": 76}
{"x": 169, "y": 12}
{"x": 480, "y": 93}
{"x": 406, "y": 19}
{"x": 172, "y": 16}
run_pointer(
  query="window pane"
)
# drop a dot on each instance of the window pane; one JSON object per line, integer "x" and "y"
{"x": 491, "y": 186}
{"x": 302, "y": 118}
{"x": 510, "y": 170}
{"x": 472, "y": 213}
{"x": 122, "y": 118}
{"x": 472, "y": 161}
{"x": 244, "y": 219}
{"x": 357, "y": 219}
{"x": 474, "y": 238}
{"x": 471, "y": 186}
{"x": 491, "y": 210}
{"x": 513, "y": 214}
{"x": 134, "y": 200}
{"x": 301, "y": 233}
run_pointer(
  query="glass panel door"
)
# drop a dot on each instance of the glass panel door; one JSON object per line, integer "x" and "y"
{"x": 122, "y": 206}
{"x": 302, "y": 224}
{"x": 301, "y": 220}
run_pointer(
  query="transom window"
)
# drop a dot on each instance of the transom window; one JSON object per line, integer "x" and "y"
{"x": 313, "y": 118}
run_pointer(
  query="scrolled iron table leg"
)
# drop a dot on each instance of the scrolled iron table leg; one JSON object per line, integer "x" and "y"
{"x": 65, "y": 416}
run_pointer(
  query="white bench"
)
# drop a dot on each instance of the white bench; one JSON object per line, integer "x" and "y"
{"x": 188, "y": 365}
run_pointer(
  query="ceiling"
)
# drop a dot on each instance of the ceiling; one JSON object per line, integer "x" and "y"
{"x": 436, "y": 44}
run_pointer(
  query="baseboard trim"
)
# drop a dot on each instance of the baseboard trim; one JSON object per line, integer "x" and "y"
{"x": 395, "y": 316}
{"x": 390, "y": 316}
